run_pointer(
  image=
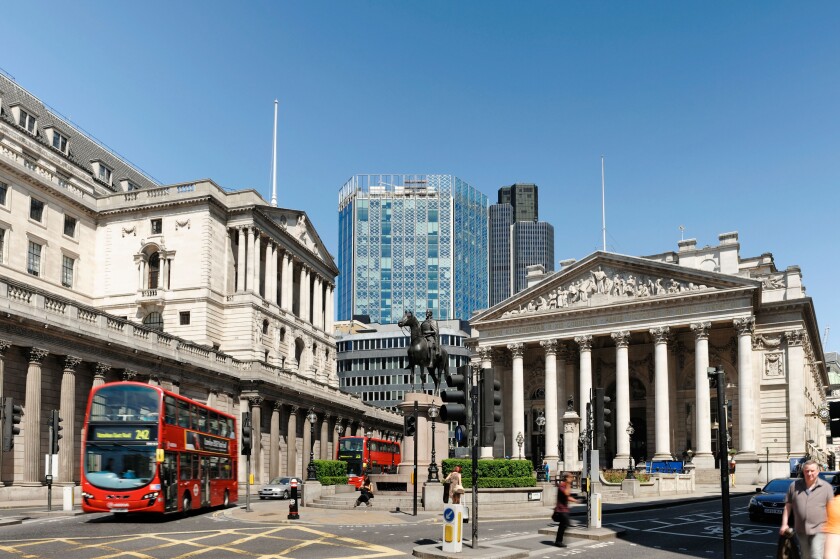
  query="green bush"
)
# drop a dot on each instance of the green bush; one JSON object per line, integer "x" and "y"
{"x": 617, "y": 476}
{"x": 331, "y": 472}
{"x": 493, "y": 473}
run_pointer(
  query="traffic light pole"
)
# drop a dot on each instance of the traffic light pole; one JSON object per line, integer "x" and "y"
{"x": 716, "y": 377}
{"x": 414, "y": 513}
{"x": 474, "y": 451}
{"x": 49, "y": 469}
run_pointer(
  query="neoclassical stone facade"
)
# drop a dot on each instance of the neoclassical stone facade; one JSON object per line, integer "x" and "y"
{"x": 106, "y": 275}
{"x": 646, "y": 330}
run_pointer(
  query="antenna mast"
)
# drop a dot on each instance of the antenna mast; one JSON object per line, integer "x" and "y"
{"x": 274, "y": 161}
{"x": 603, "y": 208}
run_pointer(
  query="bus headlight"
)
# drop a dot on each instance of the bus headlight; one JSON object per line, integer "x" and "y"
{"x": 152, "y": 495}
{"x": 86, "y": 495}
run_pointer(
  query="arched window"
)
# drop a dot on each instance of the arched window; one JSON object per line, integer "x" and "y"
{"x": 265, "y": 326}
{"x": 154, "y": 320}
{"x": 298, "y": 351}
{"x": 154, "y": 270}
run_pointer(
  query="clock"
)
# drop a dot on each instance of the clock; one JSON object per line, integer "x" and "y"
{"x": 823, "y": 412}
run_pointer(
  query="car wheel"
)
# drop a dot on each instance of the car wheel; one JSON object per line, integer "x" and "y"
{"x": 261, "y": 497}
{"x": 186, "y": 503}
{"x": 286, "y": 494}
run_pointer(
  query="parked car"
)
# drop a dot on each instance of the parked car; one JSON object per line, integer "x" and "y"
{"x": 770, "y": 499}
{"x": 280, "y": 488}
{"x": 833, "y": 478}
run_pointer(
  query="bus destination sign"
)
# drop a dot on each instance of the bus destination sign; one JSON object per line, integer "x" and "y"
{"x": 123, "y": 433}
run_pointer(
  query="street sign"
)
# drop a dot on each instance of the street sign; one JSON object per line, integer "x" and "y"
{"x": 459, "y": 433}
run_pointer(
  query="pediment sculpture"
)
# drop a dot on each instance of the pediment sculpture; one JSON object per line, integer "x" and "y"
{"x": 604, "y": 285}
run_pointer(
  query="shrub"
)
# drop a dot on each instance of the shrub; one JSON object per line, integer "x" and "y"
{"x": 331, "y": 472}
{"x": 493, "y": 473}
{"x": 617, "y": 476}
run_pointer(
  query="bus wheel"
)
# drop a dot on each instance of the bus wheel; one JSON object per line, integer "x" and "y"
{"x": 226, "y": 502}
{"x": 186, "y": 503}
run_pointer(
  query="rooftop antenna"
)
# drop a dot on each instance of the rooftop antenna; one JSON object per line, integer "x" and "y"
{"x": 682, "y": 232}
{"x": 274, "y": 161}
{"x": 603, "y": 207}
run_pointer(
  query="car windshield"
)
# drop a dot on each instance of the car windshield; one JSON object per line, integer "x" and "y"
{"x": 778, "y": 486}
{"x": 830, "y": 477}
{"x": 279, "y": 481}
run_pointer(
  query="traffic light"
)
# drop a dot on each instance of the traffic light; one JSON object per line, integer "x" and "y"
{"x": 602, "y": 413}
{"x": 491, "y": 396}
{"x": 11, "y": 420}
{"x": 457, "y": 396}
{"x": 410, "y": 425}
{"x": 246, "y": 434}
{"x": 55, "y": 433}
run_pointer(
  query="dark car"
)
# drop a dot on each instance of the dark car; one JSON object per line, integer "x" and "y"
{"x": 833, "y": 478}
{"x": 279, "y": 488}
{"x": 770, "y": 500}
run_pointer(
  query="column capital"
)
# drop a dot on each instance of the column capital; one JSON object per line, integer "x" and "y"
{"x": 701, "y": 330}
{"x": 550, "y": 346}
{"x": 129, "y": 374}
{"x": 102, "y": 369}
{"x": 660, "y": 334}
{"x": 794, "y": 337}
{"x": 254, "y": 401}
{"x": 516, "y": 349}
{"x": 293, "y": 409}
{"x": 4, "y": 345}
{"x": 71, "y": 362}
{"x": 744, "y": 326}
{"x": 276, "y": 405}
{"x": 621, "y": 338}
{"x": 584, "y": 342}
{"x": 36, "y": 355}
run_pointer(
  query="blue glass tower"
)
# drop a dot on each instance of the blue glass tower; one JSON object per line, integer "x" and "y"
{"x": 411, "y": 242}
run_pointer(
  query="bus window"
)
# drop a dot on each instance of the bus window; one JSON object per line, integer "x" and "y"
{"x": 224, "y": 468}
{"x": 183, "y": 414}
{"x": 171, "y": 413}
{"x": 202, "y": 420}
{"x": 185, "y": 471}
{"x": 214, "y": 423}
{"x": 214, "y": 467}
{"x": 230, "y": 430}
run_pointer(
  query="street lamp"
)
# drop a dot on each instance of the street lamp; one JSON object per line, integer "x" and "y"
{"x": 630, "y": 430}
{"x": 540, "y": 424}
{"x": 433, "y": 469}
{"x": 519, "y": 440}
{"x": 311, "y": 474}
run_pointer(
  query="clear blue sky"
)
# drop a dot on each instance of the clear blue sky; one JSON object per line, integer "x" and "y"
{"x": 718, "y": 116}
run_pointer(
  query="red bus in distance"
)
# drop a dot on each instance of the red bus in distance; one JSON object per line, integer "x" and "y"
{"x": 366, "y": 455}
{"x": 145, "y": 449}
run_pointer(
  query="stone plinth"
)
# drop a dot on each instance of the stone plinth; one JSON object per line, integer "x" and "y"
{"x": 424, "y": 437}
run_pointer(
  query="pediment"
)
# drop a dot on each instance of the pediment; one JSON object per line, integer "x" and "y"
{"x": 297, "y": 225}
{"x": 605, "y": 279}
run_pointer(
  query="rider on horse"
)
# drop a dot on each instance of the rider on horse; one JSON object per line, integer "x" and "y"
{"x": 429, "y": 329}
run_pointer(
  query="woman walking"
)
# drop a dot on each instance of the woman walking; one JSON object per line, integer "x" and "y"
{"x": 455, "y": 487}
{"x": 561, "y": 510}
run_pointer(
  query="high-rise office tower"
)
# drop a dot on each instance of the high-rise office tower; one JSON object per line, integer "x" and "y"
{"x": 411, "y": 242}
{"x": 517, "y": 240}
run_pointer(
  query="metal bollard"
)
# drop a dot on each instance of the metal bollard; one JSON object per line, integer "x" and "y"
{"x": 293, "y": 501}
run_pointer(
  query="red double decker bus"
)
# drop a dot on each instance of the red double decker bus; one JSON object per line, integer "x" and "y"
{"x": 145, "y": 449}
{"x": 366, "y": 455}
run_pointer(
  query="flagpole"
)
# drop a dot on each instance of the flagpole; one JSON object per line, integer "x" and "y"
{"x": 603, "y": 208}
{"x": 274, "y": 161}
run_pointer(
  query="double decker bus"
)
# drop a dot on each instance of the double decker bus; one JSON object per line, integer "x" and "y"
{"x": 366, "y": 455}
{"x": 145, "y": 449}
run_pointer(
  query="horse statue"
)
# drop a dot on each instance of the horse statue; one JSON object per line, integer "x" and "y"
{"x": 419, "y": 354}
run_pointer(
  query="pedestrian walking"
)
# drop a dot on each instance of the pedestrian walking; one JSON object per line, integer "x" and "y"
{"x": 365, "y": 493}
{"x": 806, "y": 500}
{"x": 561, "y": 509}
{"x": 732, "y": 471}
{"x": 455, "y": 487}
{"x": 546, "y": 471}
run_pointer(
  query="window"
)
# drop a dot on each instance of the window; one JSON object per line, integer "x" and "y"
{"x": 154, "y": 270}
{"x": 59, "y": 141}
{"x": 33, "y": 264}
{"x": 185, "y": 317}
{"x": 67, "y": 265}
{"x": 27, "y": 121}
{"x": 2, "y": 245}
{"x": 157, "y": 226}
{"x": 104, "y": 173}
{"x": 69, "y": 226}
{"x": 36, "y": 210}
{"x": 3, "y": 189}
{"x": 154, "y": 320}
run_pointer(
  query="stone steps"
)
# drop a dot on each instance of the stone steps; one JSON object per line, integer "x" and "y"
{"x": 405, "y": 501}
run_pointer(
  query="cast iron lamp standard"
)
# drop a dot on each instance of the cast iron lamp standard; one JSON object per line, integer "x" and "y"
{"x": 630, "y": 430}
{"x": 540, "y": 423}
{"x": 311, "y": 474}
{"x": 433, "y": 469}
{"x": 519, "y": 440}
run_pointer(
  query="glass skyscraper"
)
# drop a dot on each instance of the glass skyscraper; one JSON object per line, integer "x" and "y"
{"x": 411, "y": 242}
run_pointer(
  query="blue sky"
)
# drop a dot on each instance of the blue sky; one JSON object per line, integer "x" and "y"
{"x": 717, "y": 116}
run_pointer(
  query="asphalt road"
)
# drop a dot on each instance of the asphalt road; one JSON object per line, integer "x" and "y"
{"x": 691, "y": 530}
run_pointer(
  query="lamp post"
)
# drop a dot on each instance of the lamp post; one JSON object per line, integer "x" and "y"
{"x": 540, "y": 424}
{"x": 433, "y": 469}
{"x": 630, "y": 430}
{"x": 311, "y": 474}
{"x": 519, "y": 440}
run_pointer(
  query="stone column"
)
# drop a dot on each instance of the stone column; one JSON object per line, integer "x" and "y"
{"x": 141, "y": 271}
{"x": 32, "y": 458}
{"x": 746, "y": 399}
{"x": 249, "y": 260}
{"x": 4, "y": 345}
{"x": 254, "y": 403}
{"x": 325, "y": 438}
{"x": 562, "y": 398}
{"x": 703, "y": 457}
{"x": 307, "y": 444}
{"x": 164, "y": 272}
{"x": 270, "y": 271}
{"x": 257, "y": 262}
{"x": 551, "y": 428}
{"x": 486, "y": 356}
{"x": 67, "y": 412}
{"x": 622, "y": 399}
{"x": 330, "y": 313}
{"x": 287, "y": 287}
{"x": 517, "y": 386}
{"x": 304, "y": 293}
{"x": 661, "y": 413}
{"x": 240, "y": 259}
{"x": 291, "y": 442}
{"x": 585, "y": 345}
{"x": 99, "y": 374}
{"x": 796, "y": 391}
{"x": 274, "y": 441}
{"x": 318, "y": 304}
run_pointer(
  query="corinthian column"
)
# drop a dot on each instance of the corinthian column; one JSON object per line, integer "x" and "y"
{"x": 517, "y": 384}
{"x": 287, "y": 283}
{"x": 746, "y": 400}
{"x": 622, "y": 398}
{"x": 257, "y": 263}
{"x": 291, "y": 442}
{"x": 249, "y": 260}
{"x": 274, "y": 442}
{"x": 240, "y": 259}
{"x": 551, "y": 431}
{"x": 661, "y": 407}
{"x": 32, "y": 459}
{"x": 585, "y": 344}
{"x": 486, "y": 355}
{"x": 703, "y": 429}
{"x": 325, "y": 437}
{"x": 67, "y": 449}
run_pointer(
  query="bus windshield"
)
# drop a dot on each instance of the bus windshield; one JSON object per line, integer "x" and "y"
{"x": 125, "y": 403}
{"x": 119, "y": 466}
{"x": 351, "y": 445}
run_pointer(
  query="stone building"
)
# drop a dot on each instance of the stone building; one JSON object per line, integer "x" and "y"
{"x": 105, "y": 274}
{"x": 646, "y": 329}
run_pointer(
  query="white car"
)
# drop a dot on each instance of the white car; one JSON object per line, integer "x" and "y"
{"x": 280, "y": 488}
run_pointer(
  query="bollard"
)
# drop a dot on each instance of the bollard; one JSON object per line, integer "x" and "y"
{"x": 293, "y": 501}
{"x": 452, "y": 527}
{"x": 68, "y": 498}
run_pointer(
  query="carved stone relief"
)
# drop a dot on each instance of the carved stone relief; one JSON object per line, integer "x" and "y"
{"x": 774, "y": 365}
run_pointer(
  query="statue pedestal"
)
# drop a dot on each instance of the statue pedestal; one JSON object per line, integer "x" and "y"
{"x": 424, "y": 438}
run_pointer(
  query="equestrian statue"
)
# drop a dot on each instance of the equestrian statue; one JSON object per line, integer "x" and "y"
{"x": 424, "y": 349}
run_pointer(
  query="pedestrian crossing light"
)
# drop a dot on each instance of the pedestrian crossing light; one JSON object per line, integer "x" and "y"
{"x": 11, "y": 419}
{"x": 456, "y": 396}
{"x": 246, "y": 434}
{"x": 490, "y": 398}
{"x": 55, "y": 426}
{"x": 602, "y": 416}
{"x": 410, "y": 425}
